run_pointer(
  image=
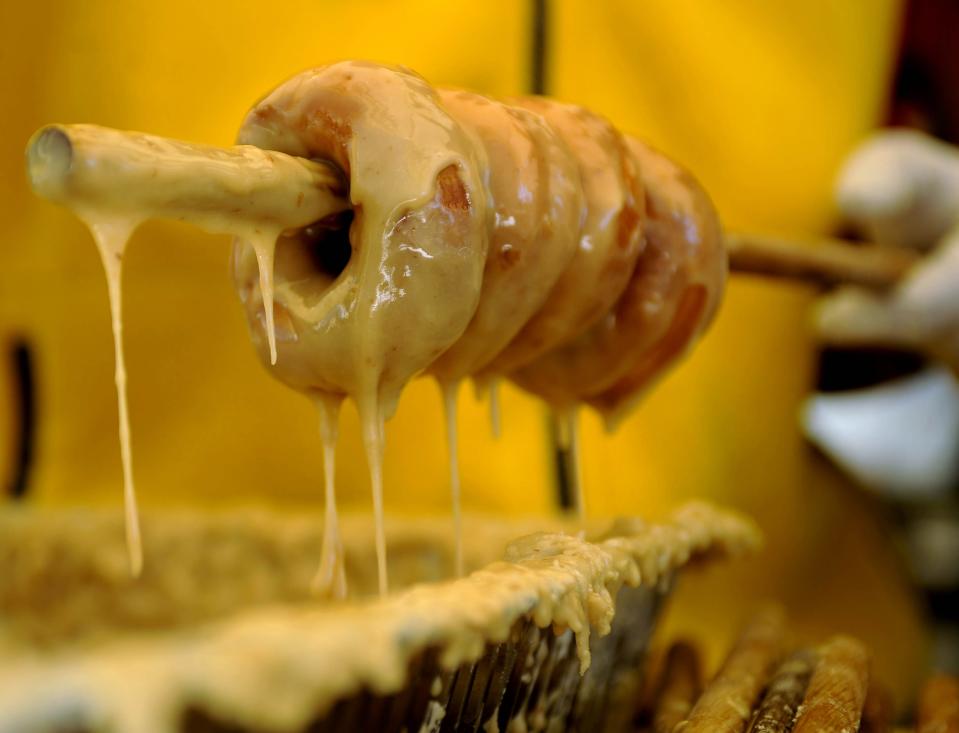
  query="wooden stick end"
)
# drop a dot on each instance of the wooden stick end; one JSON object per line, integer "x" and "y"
{"x": 49, "y": 158}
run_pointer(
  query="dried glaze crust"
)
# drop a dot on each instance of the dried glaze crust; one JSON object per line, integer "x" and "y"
{"x": 277, "y": 669}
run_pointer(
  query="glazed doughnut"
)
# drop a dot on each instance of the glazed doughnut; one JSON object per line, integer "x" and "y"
{"x": 537, "y": 202}
{"x": 417, "y": 233}
{"x": 671, "y": 297}
{"x": 608, "y": 241}
{"x": 682, "y": 212}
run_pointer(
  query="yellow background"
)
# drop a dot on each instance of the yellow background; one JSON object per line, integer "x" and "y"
{"x": 761, "y": 99}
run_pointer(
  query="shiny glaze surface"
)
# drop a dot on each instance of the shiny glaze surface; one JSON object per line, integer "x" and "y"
{"x": 609, "y": 236}
{"x": 357, "y": 302}
{"x": 418, "y": 236}
{"x": 681, "y": 212}
{"x": 672, "y": 295}
{"x": 536, "y": 203}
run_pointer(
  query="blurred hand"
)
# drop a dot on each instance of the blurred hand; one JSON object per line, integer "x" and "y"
{"x": 902, "y": 189}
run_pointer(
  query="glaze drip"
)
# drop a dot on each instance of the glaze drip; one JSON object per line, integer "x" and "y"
{"x": 330, "y": 579}
{"x": 371, "y": 419}
{"x": 112, "y": 235}
{"x": 450, "y": 394}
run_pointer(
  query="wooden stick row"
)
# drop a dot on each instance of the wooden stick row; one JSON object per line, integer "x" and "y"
{"x": 759, "y": 689}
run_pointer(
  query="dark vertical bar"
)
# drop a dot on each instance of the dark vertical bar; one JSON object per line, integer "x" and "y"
{"x": 539, "y": 84}
{"x": 540, "y": 27}
{"x": 25, "y": 405}
{"x": 563, "y": 461}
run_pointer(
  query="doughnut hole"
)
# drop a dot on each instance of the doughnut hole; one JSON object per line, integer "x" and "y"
{"x": 307, "y": 263}
{"x": 314, "y": 257}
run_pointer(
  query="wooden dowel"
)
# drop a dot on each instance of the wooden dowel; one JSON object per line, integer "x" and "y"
{"x": 679, "y": 686}
{"x": 939, "y": 706}
{"x": 145, "y": 176}
{"x": 777, "y": 709}
{"x": 727, "y": 703}
{"x": 837, "y": 689}
{"x": 820, "y": 261}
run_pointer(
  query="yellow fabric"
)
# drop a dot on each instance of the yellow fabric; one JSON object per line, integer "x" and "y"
{"x": 760, "y": 99}
{"x": 208, "y": 424}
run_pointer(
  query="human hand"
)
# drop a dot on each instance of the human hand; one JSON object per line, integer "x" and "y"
{"x": 902, "y": 189}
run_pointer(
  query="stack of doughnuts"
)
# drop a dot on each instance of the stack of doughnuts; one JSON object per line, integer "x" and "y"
{"x": 526, "y": 239}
